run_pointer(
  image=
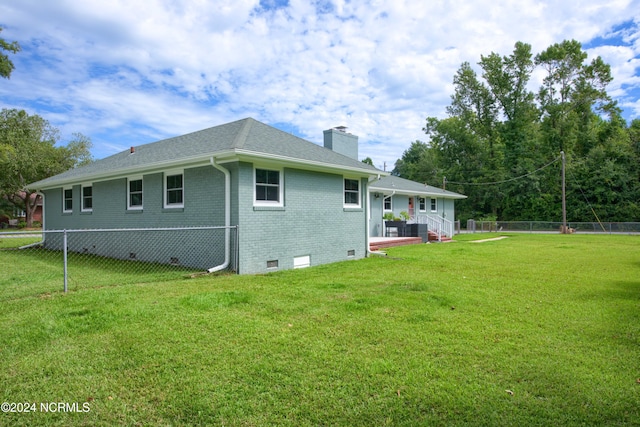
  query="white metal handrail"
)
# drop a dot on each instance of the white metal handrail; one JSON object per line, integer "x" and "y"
{"x": 447, "y": 227}
{"x": 438, "y": 225}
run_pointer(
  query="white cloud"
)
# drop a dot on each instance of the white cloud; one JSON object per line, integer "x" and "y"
{"x": 118, "y": 70}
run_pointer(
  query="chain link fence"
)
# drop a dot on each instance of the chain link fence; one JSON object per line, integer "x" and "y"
{"x": 72, "y": 259}
{"x": 552, "y": 227}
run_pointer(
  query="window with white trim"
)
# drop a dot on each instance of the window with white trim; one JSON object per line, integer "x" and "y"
{"x": 434, "y": 205}
{"x": 67, "y": 200}
{"x": 134, "y": 193}
{"x": 351, "y": 192}
{"x": 388, "y": 206}
{"x": 268, "y": 187}
{"x": 87, "y": 198}
{"x": 174, "y": 189}
{"x": 422, "y": 204}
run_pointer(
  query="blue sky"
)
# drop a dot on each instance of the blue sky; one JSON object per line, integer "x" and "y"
{"x": 126, "y": 73}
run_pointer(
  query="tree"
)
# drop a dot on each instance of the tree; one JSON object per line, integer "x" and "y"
{"x": 570, "y": 93}
{"x": 416, "y": 164}
{"x": 368, "y": 161}
{"x": 507, "y": 80}
{"x": 6, "y": 66}
{"x": 29, "y": 154}
{"x": 500, "y": 139}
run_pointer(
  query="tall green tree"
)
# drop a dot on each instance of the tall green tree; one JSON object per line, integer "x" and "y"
{"x": 605, "y": 183}
{"x": 469, "y": 143}
{"x": 30, "y": 153}
{"x": 6, "y": 66}
{"x": 460, "y": 157}
{"x": 573, "y": 99}
{"x": 507, "y": 80}
{"x": 571, "y": 93}
{"x": 417, "y": 164}
{"x": 501, "y": 139}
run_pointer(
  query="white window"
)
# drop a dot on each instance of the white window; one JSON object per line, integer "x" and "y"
{"x": 174, "y": 189}
{"x": 388, "y": 206}
{"x": 434, "y": 205}
{"x": 267, "y": 187}
{"x": 422, "y": 204}
{"x": 87, "y": 198}
{"x": 67, "y": 200}
{"x": 351, "y": 193}
{"x": 134, "y": 193}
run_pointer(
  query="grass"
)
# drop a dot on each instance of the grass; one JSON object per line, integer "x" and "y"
{"x": 529, "y": 330}
{"x": 16, "y": 242}
{"x": 44, "y": 273}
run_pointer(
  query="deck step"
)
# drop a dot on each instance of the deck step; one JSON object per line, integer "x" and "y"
{"x": 433, "y": 237}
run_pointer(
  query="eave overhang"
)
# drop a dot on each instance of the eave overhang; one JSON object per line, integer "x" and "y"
{"x": 226, "y": 156}
{"x": 416, "y": 193}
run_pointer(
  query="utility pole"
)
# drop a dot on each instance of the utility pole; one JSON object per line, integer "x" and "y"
{"x": 444, "y": 182}
{"x": 564, "y": 197}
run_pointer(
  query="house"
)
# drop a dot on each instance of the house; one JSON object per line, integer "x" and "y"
{"x": 424, "y": 204}
{"x": 19, "y": 214}
{"x": 294, "y": 202}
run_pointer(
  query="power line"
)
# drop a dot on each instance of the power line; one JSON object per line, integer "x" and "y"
{"x": 588, "y": 203}
{"x": 506, "y": 180}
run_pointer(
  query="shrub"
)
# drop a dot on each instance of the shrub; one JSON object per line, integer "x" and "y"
{"x": 388, "y": 216}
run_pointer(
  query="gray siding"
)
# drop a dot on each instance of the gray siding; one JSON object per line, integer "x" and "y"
{"x": 203, "y": 206}
{"x": 312, "y": 222}
{"x": 445, "y": 208}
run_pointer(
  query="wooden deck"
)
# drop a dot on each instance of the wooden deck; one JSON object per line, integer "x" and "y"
{"x": 377, "y": 243}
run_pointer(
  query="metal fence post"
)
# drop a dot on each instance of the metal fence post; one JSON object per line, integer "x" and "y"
{"x": 237, "y": 251}
{"x": 64, "y": 251}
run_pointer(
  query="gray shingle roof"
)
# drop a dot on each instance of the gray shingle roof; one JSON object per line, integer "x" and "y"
{"x": 243, "y": 137}
{"x": 391, "y": 183}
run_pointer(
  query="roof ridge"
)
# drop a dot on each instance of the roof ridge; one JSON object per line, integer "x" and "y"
{"x": 241, "y": 136}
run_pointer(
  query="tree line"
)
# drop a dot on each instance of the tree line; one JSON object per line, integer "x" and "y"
{"x": 501, "y": 140}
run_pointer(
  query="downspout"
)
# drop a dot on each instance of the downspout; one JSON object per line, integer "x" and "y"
{"x": 43, "y": 227}
{"x": 227, "y": 216}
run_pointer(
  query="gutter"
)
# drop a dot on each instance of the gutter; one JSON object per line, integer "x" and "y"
{"x": 194, "y": 161}
{"x": 227, "y": 216}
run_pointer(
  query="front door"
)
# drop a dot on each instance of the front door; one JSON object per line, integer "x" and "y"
{"x": 411, "y": 207}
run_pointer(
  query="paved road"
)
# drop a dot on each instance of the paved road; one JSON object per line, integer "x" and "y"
{"x": 19, "y": 234}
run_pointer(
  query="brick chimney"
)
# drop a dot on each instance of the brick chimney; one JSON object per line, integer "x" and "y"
{"x": 340, "y": 141}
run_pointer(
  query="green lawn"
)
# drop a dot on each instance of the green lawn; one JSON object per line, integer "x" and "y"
{"x": 529, "y": 330}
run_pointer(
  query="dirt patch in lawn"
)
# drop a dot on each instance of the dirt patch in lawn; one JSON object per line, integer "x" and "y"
{"x": 489, "y": 240}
